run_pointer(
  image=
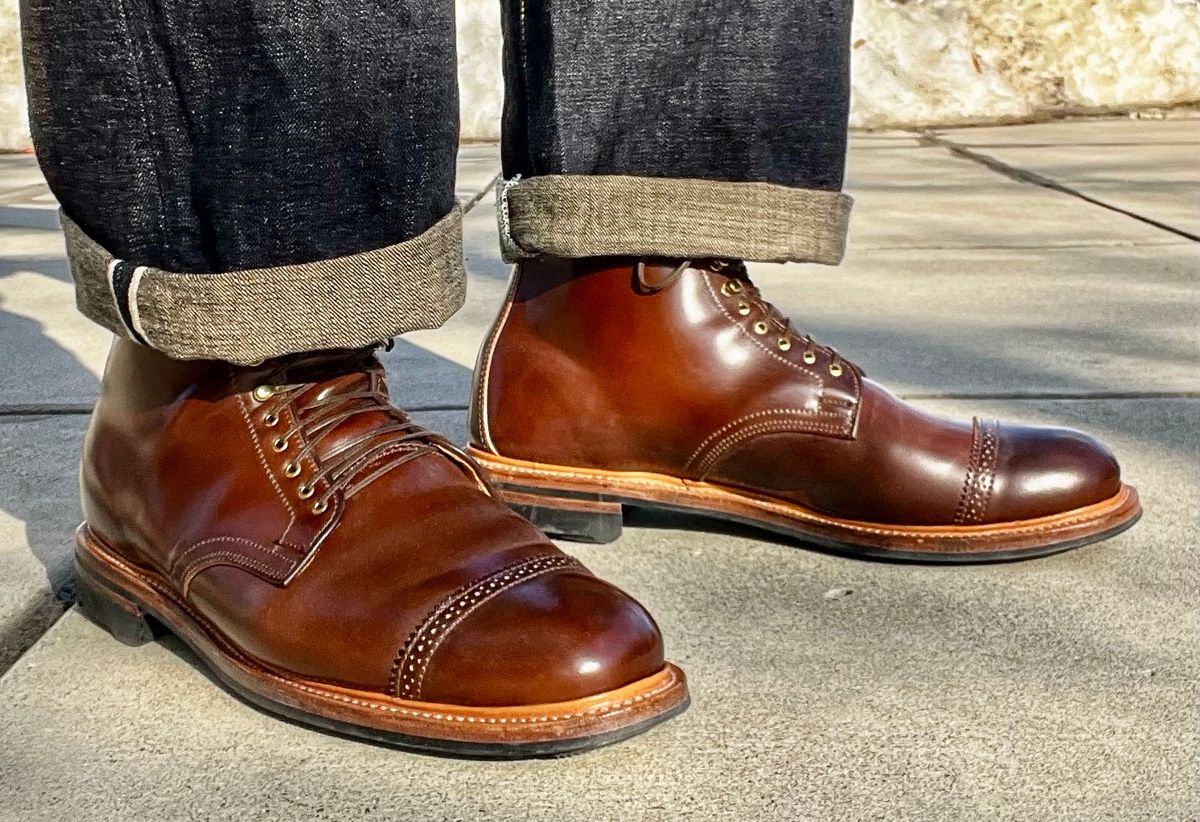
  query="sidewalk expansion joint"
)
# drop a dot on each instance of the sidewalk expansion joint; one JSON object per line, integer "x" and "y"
{"x": 82, "y": 409}
{"x": 40, "y": 410}
{"x": 1054, "y": 395}
{"x": 929, "y": 138}
{"x": 471, "y": 203}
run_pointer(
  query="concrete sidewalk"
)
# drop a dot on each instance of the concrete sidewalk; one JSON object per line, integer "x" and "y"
{"x": 1046, "y": 273}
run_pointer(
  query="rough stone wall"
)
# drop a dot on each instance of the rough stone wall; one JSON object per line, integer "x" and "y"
{"x": 14, "y": 119}
{"x": 948, "y": 62}
{"x": 916, "y": 62}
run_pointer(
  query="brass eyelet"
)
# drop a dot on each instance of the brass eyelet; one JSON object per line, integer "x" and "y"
{"x": 760, "y": 327}
{"x": 743, "y": 309}
{"x": 264, "y": 392}
{"x": 731, "y": 287}
{"x": 305, "y": 491}
{"x": 271, "y": 420}
{"x": 279, "y": 444}
{"x": 320, "y": 506}
{"x": 835, "y": 368}
{"x": 784, "y": 343}
{"x": 291, "y": 469}
{"x": 809, "y": 357}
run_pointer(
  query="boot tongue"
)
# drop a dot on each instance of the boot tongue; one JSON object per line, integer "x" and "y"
{"x": 331, "y": 376}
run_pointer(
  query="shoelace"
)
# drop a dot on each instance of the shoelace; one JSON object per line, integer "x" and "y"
{"x": 736, "y": 272}
{"x": 388, "y": 445}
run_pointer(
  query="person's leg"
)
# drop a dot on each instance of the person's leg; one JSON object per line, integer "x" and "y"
{"x": 256, "y": 194}
{"x": 235, "y": 155}
{"x": 676, "y": 130}
{"x": 650, "y": 149}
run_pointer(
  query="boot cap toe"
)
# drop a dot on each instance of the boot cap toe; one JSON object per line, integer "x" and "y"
{"x": 1043, "y": 471}
{"x": 554, "y": 638}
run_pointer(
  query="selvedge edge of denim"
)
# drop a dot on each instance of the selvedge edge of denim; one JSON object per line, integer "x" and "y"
{"x": 247, "y": 316}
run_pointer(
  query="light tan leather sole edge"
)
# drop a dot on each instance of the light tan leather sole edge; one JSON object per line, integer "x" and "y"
{"x": 562, "y": 499}
{"x": 119, "y": 597}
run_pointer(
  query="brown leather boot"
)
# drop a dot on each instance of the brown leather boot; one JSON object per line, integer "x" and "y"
{"x": 608, "y": 382}
{"x": 336, "y": 563}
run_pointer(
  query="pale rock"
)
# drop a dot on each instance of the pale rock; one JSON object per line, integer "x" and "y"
{"x": 915, "y": 62}
{"x": 14, "y": 118}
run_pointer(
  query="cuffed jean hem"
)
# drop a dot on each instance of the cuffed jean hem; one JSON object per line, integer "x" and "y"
{"x": 247, "y": 316}
{"x": 592, "y": 215}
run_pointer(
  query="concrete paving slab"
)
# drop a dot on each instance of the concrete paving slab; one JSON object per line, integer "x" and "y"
{"x": 1061, "y": 688}
{"x": 1158, "y": 178}
{"x": 39, "y": 509}
{"x": 1161, "y": 182}
{"x": 1122, "y": 131}
{"x": 18, "y": 171}
{"x": 928, "y": 197}
{"x": 478, "y": 166}
{"x": 867, "y": 140}
{"x": 56, "y": 355}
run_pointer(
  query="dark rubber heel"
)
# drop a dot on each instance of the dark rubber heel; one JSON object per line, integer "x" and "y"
{"x": 121, "y": 617}
{"x": 574, "y": 519}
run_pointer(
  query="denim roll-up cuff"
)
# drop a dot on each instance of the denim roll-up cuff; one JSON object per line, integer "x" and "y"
{"x": 572, "y": 215}
{"x": 250, "y": 315}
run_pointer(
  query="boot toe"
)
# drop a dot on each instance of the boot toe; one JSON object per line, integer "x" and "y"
{"x": 1046, "y": 471}
{"x": 554, "y": 638}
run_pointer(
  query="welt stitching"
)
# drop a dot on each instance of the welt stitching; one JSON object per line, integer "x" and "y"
{"x": 245, "y": 659}
{"x": 727, "y": 443}
{"x": 755, "y": 415}
{"x": 712, "y": 293}
{"x": 397, "y": 662}
{"x": 785, "y": 510}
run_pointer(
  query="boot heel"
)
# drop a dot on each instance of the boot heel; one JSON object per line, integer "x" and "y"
{"x": 121, "y": 617}
{"x": 577, "y": 520}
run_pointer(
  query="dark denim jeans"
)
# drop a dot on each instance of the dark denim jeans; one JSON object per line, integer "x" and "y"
{"x": 212, "y": 135}
{"x": 749, "y": 91}
{"x": 186, "y": 137}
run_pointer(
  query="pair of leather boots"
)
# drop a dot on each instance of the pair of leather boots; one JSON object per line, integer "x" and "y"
{"x": 334, "y": 562}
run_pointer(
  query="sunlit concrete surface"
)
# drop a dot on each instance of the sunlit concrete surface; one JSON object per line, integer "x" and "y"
{"x": 824, "y": 688}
